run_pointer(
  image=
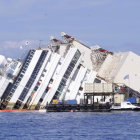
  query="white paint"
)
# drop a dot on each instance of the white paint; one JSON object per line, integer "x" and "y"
{"x": 45, "y": 80}
{"x": 59, "y": 75}
{"x": 38, "y": 76}
{"x": 26, "y": 76}
{"x": 3, "y": 85}
{"x": 2, "y": 61}
{"x": 87, "y": 54}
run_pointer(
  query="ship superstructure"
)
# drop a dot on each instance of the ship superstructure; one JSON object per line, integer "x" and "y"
{"x": 60, "y": 72}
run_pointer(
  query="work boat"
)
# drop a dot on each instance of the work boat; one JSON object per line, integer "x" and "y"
{"x": 124, "y": 105}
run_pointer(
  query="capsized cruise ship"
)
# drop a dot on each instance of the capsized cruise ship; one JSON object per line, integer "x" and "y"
{"x": 60, "y": 71}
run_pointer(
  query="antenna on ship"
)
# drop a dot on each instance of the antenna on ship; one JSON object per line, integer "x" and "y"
{"x": 40, "y": 41}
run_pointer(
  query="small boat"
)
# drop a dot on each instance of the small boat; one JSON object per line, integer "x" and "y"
{"x": 124, "y": 105}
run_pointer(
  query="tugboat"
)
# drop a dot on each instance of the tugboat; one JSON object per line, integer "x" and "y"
{"x": 124, "y": 105}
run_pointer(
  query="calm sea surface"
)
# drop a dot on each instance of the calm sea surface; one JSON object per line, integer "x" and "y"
{"x": 69, "y": 126}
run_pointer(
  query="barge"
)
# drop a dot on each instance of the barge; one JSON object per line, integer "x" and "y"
{"x": 77, "y": 108}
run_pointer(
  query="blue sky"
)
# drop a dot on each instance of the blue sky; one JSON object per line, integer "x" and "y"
{"x": 111, "y": 24}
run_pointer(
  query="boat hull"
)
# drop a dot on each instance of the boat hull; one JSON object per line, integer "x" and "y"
{"x": 136, "y": 109}
{"x": 126, "y": 109}
{"x": 122, "y": 109}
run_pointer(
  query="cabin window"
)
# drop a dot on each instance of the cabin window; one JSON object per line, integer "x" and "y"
{"x": 66, "y": 76}
{"x": 36, "y": 88}
{"x": 81, "y": 88}
{"x": 70, "y": 69}
{"x": 63, "y": 82}
{"x": 21, "y": 75}
{"x": 72, "y": 65}
{"x": 59, "y": 63}
{"x": 97, "y": 80}
{"x": 61, "y": 87}
{"x": 51, "y": 81}
{"x": 40, "y": 100}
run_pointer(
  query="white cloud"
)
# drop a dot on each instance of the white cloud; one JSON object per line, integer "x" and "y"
{"x": 11, "y": 44}
{"x": 16, "y": 44}
{"x": 12, "y": 48}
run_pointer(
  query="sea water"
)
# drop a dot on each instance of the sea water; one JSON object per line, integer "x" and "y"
{"x": 70, "y": 126}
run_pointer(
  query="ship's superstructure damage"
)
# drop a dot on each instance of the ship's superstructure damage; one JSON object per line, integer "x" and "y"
{"x": 59, "y": 73}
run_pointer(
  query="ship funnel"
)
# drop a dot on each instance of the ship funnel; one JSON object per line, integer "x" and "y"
{"x": 63, "y": 34}
{"x": 51, "y": 38}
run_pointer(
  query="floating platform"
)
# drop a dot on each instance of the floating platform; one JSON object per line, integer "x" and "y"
{"x": 77, "y": 108}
